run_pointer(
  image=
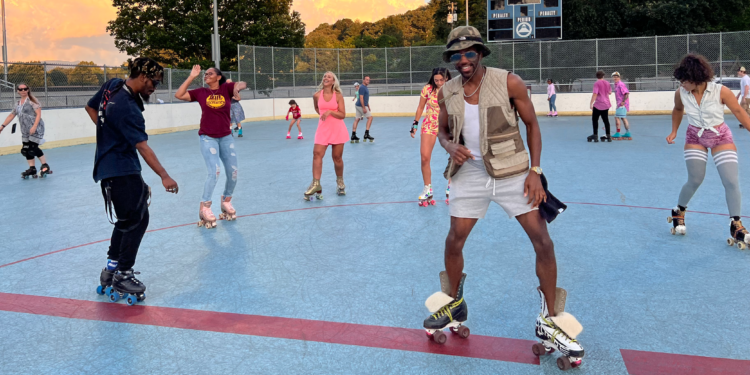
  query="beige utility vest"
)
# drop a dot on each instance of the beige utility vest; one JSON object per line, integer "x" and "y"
{"x": 502, "y": 148}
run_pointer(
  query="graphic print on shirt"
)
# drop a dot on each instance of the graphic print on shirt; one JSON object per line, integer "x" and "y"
{"x": 215, "y": 101}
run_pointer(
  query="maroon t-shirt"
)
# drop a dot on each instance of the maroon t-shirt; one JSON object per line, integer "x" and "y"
{"x": 215, "y": 108}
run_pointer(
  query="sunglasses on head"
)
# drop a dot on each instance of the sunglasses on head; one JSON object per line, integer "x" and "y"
{"x": 23, "y": 89}
{"x": 456, "y": 57}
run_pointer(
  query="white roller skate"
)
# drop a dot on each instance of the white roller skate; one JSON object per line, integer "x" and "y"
{"x": 678, "y": 221}
{"x": 425, "y": 199}
{"x": 738, "y": 233}
{"x": 206, "y": 217}
{"x": 558, "y": 332}
{"x": 448, "y": 312}
{"x": 227, "y": 211}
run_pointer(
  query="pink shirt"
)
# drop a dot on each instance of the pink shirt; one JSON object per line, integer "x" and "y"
{"x": 602, "y": 91}
{"x": 620, "y": 90}
{"x": 550, "y": 90}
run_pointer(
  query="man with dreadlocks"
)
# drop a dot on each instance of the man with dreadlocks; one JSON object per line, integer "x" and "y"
{"x": 121, "y": 130}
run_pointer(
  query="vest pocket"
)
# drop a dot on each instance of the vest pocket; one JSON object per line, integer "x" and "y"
{"x": 497, "y": 122}
{"x": 507, "y": 157}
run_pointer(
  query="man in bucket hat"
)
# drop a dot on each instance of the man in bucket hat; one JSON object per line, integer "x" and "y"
{"x": 489, "y": 163}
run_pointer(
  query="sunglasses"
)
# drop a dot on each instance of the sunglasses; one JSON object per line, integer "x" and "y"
{"x": 456, "y": 57}
{"x": 23, "y": 89}
{"x": 155, "y": 82}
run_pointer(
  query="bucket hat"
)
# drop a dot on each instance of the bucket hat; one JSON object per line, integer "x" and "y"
{"x": 464, "y": 37}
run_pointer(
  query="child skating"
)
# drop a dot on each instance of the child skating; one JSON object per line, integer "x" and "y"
{"x": 622, "y": 95}
{"x": 296, "y": 118}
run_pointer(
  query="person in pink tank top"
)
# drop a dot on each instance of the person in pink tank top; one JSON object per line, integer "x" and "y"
{"x": 329, "y": 104}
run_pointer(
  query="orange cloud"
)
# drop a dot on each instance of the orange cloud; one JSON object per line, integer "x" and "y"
{"x": 61, "y": 30}
{"x": 315, "y": 12}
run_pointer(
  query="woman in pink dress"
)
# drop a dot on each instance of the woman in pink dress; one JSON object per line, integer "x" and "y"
{"x": 329, "y": 104}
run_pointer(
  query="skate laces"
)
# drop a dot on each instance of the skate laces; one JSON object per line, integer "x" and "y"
{"x": 446, "y": 310}
{"x": 557, "y": 331}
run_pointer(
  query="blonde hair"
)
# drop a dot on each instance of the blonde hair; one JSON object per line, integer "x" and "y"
{"x": 336, "y": 84}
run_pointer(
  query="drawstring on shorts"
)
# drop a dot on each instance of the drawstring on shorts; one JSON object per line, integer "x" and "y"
{"x": 494, "y": 182}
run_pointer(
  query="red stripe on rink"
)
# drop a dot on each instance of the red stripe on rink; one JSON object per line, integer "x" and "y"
{"x": 647, "y": 363}
{"x": 413, "y": 340}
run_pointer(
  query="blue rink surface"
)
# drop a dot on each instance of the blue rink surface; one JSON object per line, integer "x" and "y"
{"x": 630, "y": 283}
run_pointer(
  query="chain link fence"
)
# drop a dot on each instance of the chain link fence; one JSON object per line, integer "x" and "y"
{"x": 645, "y": 63}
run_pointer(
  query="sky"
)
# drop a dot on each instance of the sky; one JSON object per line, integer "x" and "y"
{"x": 75, "y": 30}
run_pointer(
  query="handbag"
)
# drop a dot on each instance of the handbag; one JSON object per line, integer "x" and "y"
{"x": 621, "y": 112}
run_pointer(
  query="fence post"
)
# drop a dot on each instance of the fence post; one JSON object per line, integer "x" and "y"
{"x": 273, "y": 73}
{"x": 540, "y": 61}
{"x": 656, "y": 56}
{"x": 169, "y": 80}
{"x": 294, "y": 80}
{"x": 362, "y": 62}
{"x": 239, "y": 75}
{"x": 315, "y": 62}
{"x": 687, "y": 42}
{"x": 411, "y": 82}
{"x": 721, "y": 59}
{"x": 386, "y": 70}
{"x": 46, "y": 94}
{"x": 105, "y": 72}
{"x": 255, "y": 84}
{"x": 338, "y": 62}
{"x": 513, "y": 45}
{"x": 597, "y": 55}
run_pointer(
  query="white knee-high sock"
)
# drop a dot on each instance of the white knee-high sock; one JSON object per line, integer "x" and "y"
{"x": 728, "y": 167}
{"x": 695, "y": 161}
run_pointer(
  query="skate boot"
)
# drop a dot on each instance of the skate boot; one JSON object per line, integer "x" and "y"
{"x": 288, "y": 136}
{"x": 678, "y": 220}
{"x": 627, "y": 136}
{"x": 616, "y": 136}
{"x": 340, "y": 186}
{"x": 447, "y": 312}
{"x": 239, "y": 133}
{"x": 558, "y": 332}
{"x": 738, "y": 233}
{"x": 354, "y": 139}
{"x": 31, "y": 172}
{"x": 206, "y": 217}
{"x": 44, "y": 170}
{"x": 554, "y": 113}
{"x": 125, "y": 285}
{"x": 368, "y": 137}
{"x": 448, "y": 193}
{"x": 105, "y": 281}
{"x": 425, "y": 199}
{"x": 606, "y": 138}
{"x": 549, "y": 114}
{"x": 227, "y": 211}
{"x": 314, "y": 190}
{"x": 593, "y": 138}
{"x": 299, "y": 136}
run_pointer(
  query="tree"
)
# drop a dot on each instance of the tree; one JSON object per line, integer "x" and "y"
{"x": 477, "y": 17}
{"x": 178, "y": 33}
{"x": 57, "y": 77}
{"x": 85, "y": 73}
{"x": 31, "y": 73}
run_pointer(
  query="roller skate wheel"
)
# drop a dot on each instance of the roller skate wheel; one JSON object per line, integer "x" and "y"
{"x": 563, "y": 363}
{"x": 741, "y": 245}
{"x": 132, "y": 300}
{"x": 432, "y": 202}
{"x": 113, "y": 296}
{"x": 669, "y": 219}
{"x": 463, "y": 332}
{"x": 673, "y": 231}
{"x": 447, "y": 202}
{"x": 100, "y": 290}
{"x": 730, "y": 241}
{"x": 439, "y": 337}
{"x": 141, "y": 297}
{"x": 538, "y": 349}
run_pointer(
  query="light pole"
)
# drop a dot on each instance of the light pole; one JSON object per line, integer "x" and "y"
{"x": 467, "y": 12}
{"x": 5, "y": 44}
{"x": 215, "y": 45}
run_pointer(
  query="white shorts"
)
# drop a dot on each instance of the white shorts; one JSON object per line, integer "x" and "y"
{"x": 472, "y": 190}
{"x": 360, "y": 112}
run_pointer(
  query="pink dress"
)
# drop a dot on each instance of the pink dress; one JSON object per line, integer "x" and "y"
{"x": 332, "y": 131}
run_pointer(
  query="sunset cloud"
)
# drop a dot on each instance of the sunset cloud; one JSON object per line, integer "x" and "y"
{"x": 75, "y": 30}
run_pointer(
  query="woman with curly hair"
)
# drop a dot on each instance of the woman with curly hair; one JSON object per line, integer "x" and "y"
{"x": 703, "y": 101}
{"x": 329, "y": 104}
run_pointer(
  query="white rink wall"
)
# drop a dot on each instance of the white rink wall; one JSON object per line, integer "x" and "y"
{"x": 66, "y": 127}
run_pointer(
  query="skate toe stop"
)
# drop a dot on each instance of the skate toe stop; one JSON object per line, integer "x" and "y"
{"x": 437, "y": 300}
{"x": 568, "y": 323}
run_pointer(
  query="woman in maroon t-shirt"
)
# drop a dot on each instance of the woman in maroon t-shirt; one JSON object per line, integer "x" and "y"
{"x": 216, "y": 138}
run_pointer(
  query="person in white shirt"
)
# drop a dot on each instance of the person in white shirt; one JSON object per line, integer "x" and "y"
{"x": 744, "y": 95}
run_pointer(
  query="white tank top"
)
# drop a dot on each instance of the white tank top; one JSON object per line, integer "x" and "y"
{"x": 470, "y": 130}
{"x": 710, "y": 113}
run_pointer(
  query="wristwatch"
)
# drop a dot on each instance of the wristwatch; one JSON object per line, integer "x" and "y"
{"x": 538, "y": 170}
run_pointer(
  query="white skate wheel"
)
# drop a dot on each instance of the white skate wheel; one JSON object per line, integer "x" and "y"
{"x": 669, "y": 219}
{"x": 741, "y": 245}
{"x": 730, "y": 242}
{"x": 673, "y": 230}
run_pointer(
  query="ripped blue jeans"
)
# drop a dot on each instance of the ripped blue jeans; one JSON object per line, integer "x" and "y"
{"x": 214, "y": 149}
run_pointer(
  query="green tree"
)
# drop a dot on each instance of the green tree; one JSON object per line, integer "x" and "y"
{"x": 178, "y": 33}
{"x": 57, "y": 77}
{"x": 85, "y": 73}
{"x": 31, "y": 73}
{"x": 477, "y": 17}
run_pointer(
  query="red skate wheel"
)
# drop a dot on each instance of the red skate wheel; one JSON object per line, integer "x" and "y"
{"x": 563, "y": 363}
{"x": 432, "y": 202}
{"x": 538, "y": 349}
{"x": 439, "y": 337}
{"x": 463, "y": 332}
